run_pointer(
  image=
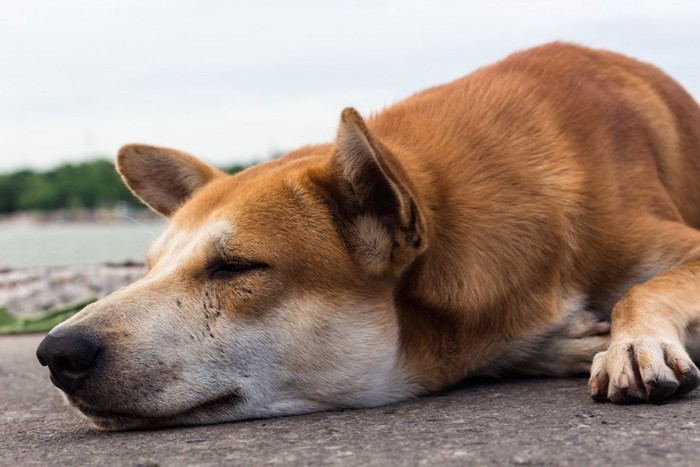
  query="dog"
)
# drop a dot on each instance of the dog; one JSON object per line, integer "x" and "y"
{"x": 537, "y": 216}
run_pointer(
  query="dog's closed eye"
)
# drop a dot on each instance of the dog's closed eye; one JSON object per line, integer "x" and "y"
{"x": 233, "y": 267}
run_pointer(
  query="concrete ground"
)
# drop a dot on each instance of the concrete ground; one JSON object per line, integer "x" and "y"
{"x": 526, "y": 421}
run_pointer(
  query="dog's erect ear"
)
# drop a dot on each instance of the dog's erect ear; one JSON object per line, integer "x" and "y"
{"x": 377, "y": 206}
{"x": 163, "y": 178}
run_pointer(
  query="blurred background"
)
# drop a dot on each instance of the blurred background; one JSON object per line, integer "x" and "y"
{"x": 234, "y": 83}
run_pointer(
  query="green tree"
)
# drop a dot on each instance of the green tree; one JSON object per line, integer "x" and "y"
{"x": 90, "y": 185}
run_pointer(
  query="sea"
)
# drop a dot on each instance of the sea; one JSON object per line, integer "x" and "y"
{"x": 32, "y": 244}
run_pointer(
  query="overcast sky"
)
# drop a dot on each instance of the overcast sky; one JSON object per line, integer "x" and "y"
{"x": 235, "y": 81}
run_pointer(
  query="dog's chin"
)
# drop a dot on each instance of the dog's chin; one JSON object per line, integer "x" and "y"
{"x": 208, "y": 412}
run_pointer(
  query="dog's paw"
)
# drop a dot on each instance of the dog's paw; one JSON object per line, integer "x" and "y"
{"x": 581, "y": 325}
{"x": 642, "y": 370}
{"x": 566, "y": 349}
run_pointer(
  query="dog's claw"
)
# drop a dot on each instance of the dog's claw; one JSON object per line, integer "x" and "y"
{"x": 661, "y": 390}
{"x": 689, "y": 380}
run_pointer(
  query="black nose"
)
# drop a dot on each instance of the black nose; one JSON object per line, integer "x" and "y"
{"x": 71, "y": 355}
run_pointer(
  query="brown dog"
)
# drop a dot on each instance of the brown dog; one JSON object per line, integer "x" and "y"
{"x": 476, "y": 227}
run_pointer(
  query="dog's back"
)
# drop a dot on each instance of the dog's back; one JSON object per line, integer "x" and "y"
{"x": 561, "y": 110}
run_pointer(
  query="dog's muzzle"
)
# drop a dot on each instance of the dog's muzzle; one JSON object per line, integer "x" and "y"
{"x": 71, "y": 355}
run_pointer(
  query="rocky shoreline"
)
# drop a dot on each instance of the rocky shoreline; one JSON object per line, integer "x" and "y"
{"x": 33, "y": 291}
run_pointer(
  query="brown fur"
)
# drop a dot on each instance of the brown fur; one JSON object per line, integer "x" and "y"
{"x": 482, "y": 225}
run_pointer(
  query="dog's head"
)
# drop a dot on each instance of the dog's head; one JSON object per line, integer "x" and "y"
{"x": 270, "y": 293}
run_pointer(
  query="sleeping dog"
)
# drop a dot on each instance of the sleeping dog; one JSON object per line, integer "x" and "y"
{"x": 490, "y": 225}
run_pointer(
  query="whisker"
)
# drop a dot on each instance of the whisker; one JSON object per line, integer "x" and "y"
{"x": 117, "y": 214}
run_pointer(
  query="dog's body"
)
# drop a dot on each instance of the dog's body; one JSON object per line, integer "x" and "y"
{"x": 477, "y": 227}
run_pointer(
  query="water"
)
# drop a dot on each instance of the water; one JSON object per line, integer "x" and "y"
{"x": 30, "y": 244}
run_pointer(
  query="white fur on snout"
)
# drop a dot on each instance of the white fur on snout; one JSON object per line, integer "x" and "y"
{"x": 349, "y": 353}
{"x": 308, "y": 356}
{"x": 304, "y": 356}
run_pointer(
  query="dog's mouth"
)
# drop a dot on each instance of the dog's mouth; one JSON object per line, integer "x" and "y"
{"x": 107, "y": 419}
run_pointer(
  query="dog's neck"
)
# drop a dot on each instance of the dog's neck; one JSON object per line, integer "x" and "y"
{"x": 460, "y": 300}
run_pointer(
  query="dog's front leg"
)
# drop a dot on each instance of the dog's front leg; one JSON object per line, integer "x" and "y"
{"x": 647, "y": 360}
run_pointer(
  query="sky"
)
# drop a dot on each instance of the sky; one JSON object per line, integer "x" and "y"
{"x": 235, "y": 81}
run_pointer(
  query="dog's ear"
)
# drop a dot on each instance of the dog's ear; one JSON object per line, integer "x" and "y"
{"x": 163, "y": 178}
{"x": 375, "y": 201}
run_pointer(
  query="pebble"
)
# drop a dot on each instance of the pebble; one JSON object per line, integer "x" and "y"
{"x": 29, "y": 292}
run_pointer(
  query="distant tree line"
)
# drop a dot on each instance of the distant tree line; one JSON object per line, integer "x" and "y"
{"x": 87, "y": 185}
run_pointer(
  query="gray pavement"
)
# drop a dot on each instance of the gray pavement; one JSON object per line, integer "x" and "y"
{"x": 515, "y": 422}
